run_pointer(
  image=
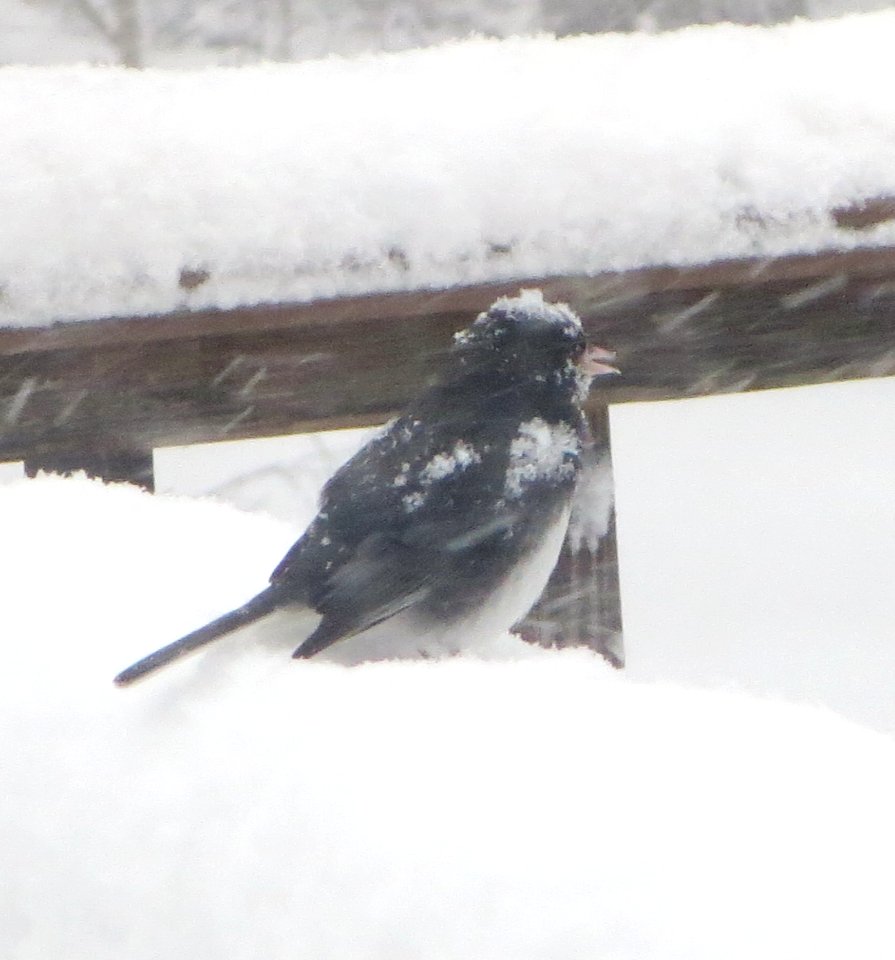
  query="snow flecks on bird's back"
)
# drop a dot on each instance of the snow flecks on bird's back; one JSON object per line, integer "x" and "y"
{"x": 541, "y": 452}
{"x": 395, "y": 431}
{"x": 413, "y": 501}
{"x": 444, "y": 464}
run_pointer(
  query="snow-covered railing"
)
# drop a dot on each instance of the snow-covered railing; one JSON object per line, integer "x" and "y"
{"x": 85, "y": 394}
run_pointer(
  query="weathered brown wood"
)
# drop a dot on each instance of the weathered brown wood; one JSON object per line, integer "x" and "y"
{"x": 864, "y": 215}
{"x": 114, "y": 466}
{"x": 259, "y": 371}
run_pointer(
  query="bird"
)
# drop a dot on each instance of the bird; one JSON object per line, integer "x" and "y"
{"x": 447, "y": 523}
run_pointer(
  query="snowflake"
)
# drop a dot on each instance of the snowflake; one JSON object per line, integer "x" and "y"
{"x": 541, "y": 451}
{"x": 445, "y": 464}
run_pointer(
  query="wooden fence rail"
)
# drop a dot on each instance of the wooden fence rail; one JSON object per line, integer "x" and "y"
{"x": 126, "y": 386}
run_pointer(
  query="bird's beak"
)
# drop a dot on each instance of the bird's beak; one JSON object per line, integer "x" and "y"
{"x": 595, "y": 361}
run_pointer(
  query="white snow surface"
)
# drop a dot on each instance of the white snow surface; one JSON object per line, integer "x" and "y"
{"x": 479, "y": 160}
{"x": 244, "y": 805}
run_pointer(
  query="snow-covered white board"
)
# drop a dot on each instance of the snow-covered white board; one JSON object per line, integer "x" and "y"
{"x": 129, "y": 193}
{"x": 757, "y": 543}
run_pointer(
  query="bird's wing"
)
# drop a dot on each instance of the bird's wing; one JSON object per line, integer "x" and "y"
{"x": 407, "y": 483}
{"x": 393, "y": 571}
{"x": 420, "y": 515}
{"x": 382, "y": 578}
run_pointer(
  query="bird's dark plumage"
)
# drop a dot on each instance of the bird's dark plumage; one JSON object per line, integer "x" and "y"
{"x": 450, "y": 519}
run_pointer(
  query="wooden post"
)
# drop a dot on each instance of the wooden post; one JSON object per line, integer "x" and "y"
{"x": 581, "y": 605}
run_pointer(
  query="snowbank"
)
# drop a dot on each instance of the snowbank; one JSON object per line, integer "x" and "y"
{"x": 127, "y": 193}
{"x": 244, "y": 805}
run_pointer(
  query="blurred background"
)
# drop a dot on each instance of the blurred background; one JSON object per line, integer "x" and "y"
{"x": 195, "y": 33}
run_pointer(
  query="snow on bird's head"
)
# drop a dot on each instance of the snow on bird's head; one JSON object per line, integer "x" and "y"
{"x": 529, "y": 313}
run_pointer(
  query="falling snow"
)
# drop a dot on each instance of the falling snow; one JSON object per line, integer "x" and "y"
{"x": 592, "y": 506}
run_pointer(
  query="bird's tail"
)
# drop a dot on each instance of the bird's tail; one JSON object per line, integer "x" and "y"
{"x": 259, "y": 606}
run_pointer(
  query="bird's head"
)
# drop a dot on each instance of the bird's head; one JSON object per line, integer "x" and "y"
{"x": 528, "y": 338}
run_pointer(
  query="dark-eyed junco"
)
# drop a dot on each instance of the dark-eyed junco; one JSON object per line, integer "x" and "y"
{"x": 446, "y": 525}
